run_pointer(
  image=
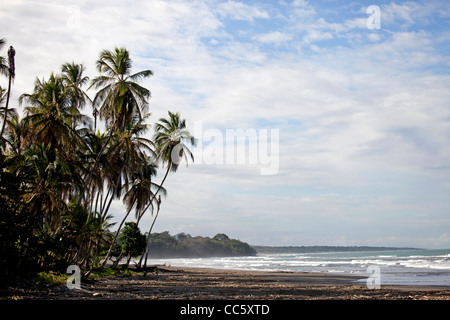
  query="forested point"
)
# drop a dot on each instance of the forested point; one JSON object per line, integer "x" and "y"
{"x": 163, "y": 245}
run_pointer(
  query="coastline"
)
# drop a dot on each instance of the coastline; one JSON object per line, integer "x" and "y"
{"x": 187, "y": 283}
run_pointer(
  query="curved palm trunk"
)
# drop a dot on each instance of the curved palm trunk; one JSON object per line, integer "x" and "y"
{"x": 154, "y": 220}
{"x": 97, "y": 249}
{"x": 115, "y": 237}
{"x": 11, "y": 72}
{"x": 120, "y": 226}
{"x": 148, "y": 238}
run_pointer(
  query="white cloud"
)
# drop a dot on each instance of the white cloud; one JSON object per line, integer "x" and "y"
{"x": 241, "y": 11}
{"x": 405, "y": 13}
{"x": 300, "y": 3}
{"x": 316, "y": 35}
{"x": 275, "y": 37}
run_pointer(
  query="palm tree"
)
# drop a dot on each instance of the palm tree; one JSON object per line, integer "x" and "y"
{"x": 73, "y": 80}
{"x": 146, "y": 188}
{"x": 11, "y": 76}
{"x": 131, "y": 150}
{"x": 120, "y": 97}
{"x": 50, "y": 116}
{"x": 3, "y": 94}
{"x": 170, "y": 137}
{"x": 100, "y": 228}
{"x": 93, "y": 142}
{"x": 50, "y": 180}
{"x": 4, "y": 69}
{"x": 13, "y": 137}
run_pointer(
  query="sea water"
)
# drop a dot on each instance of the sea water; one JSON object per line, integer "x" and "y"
{"x": 397, "y": 267}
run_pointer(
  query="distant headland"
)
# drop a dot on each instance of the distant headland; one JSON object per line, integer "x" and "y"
{"x": 182, "y": 245}
{"x": 318, "y": 249}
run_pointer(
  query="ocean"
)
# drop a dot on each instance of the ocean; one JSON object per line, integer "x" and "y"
{"x": 394, "y": 267}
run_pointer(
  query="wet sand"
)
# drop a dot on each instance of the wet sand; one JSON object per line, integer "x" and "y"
{"x": 196, "y": 283}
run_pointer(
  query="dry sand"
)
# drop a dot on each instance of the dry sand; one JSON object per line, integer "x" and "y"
{"x": 197, "y": 283}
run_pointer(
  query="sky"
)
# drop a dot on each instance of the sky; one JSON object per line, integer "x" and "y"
{"x": 319, "y": 122}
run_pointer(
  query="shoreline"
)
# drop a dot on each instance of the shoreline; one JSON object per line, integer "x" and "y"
{"x": 188, "y": 283}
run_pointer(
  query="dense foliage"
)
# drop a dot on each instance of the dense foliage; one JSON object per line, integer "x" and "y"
{"x": 59, "y": 173}
{"x": 132, "y": 241}
{"x": 163, "y": 245}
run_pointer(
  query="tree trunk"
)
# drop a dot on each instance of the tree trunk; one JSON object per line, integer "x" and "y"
{"x": 116, "y": 263}
{"x": 153, "y": 223}
{"x": 115, "y": 237}
{"x": 95, "y": 165}
{"x": 97, "y": 248}
{"x": 6, "y": 107}
{"x": 128, "y": 261}
{"x": 148, "y": 238}
{"x": 11, "y": 74}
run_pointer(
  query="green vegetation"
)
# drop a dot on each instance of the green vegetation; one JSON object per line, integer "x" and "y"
{"x": 133, "y": 242}
{"x": 163, "y": 245}
{"x": 59, "y": 173}
{"x": 50, "y": 279}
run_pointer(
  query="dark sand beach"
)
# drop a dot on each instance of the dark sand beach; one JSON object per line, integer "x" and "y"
{"x": 212, "y": 284}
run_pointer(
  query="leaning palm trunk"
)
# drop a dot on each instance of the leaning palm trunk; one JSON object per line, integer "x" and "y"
{"x": 116, "y": 263}
{"x": 97, "y": 249}
{"x": 148, "y": 239}
{"x": 12, "y": 72}
{"x": 115, "y": 238}
{"x": 118, "y": 230}
{"x": 154, "y": 220}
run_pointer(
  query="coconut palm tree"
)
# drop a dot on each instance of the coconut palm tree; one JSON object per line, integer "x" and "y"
{"x": 101, "y": 235}
{"x": 170, "y": 139}
{"x": 120, "y": 97}
{"x": 49, "y": 116}
{"x": 73, "y": 80}
{"x": 147, "y": 189}
{"x": 50, "y": 180}
{"x": 3, "y": 94}
{"x": 49, "y": 132}
{"x": 133, "y": 151}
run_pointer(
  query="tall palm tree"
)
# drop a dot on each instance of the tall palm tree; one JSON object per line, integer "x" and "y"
{"x": 50, "y": 182}
{"x": 49, "y": 116}
{"x": 147, "y": 189}
{"x": 93, "y": 143}
{"x": 73, "y": 80}
{"x": 3, "y": 94}
{"x": 120, "y": 97}
{"x": 11, "y": 76}
{"x": 170, "y": 139}
{"x": 133, "y": 151}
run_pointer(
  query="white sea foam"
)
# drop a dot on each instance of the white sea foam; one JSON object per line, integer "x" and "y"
{"x": 413, "y": 267}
